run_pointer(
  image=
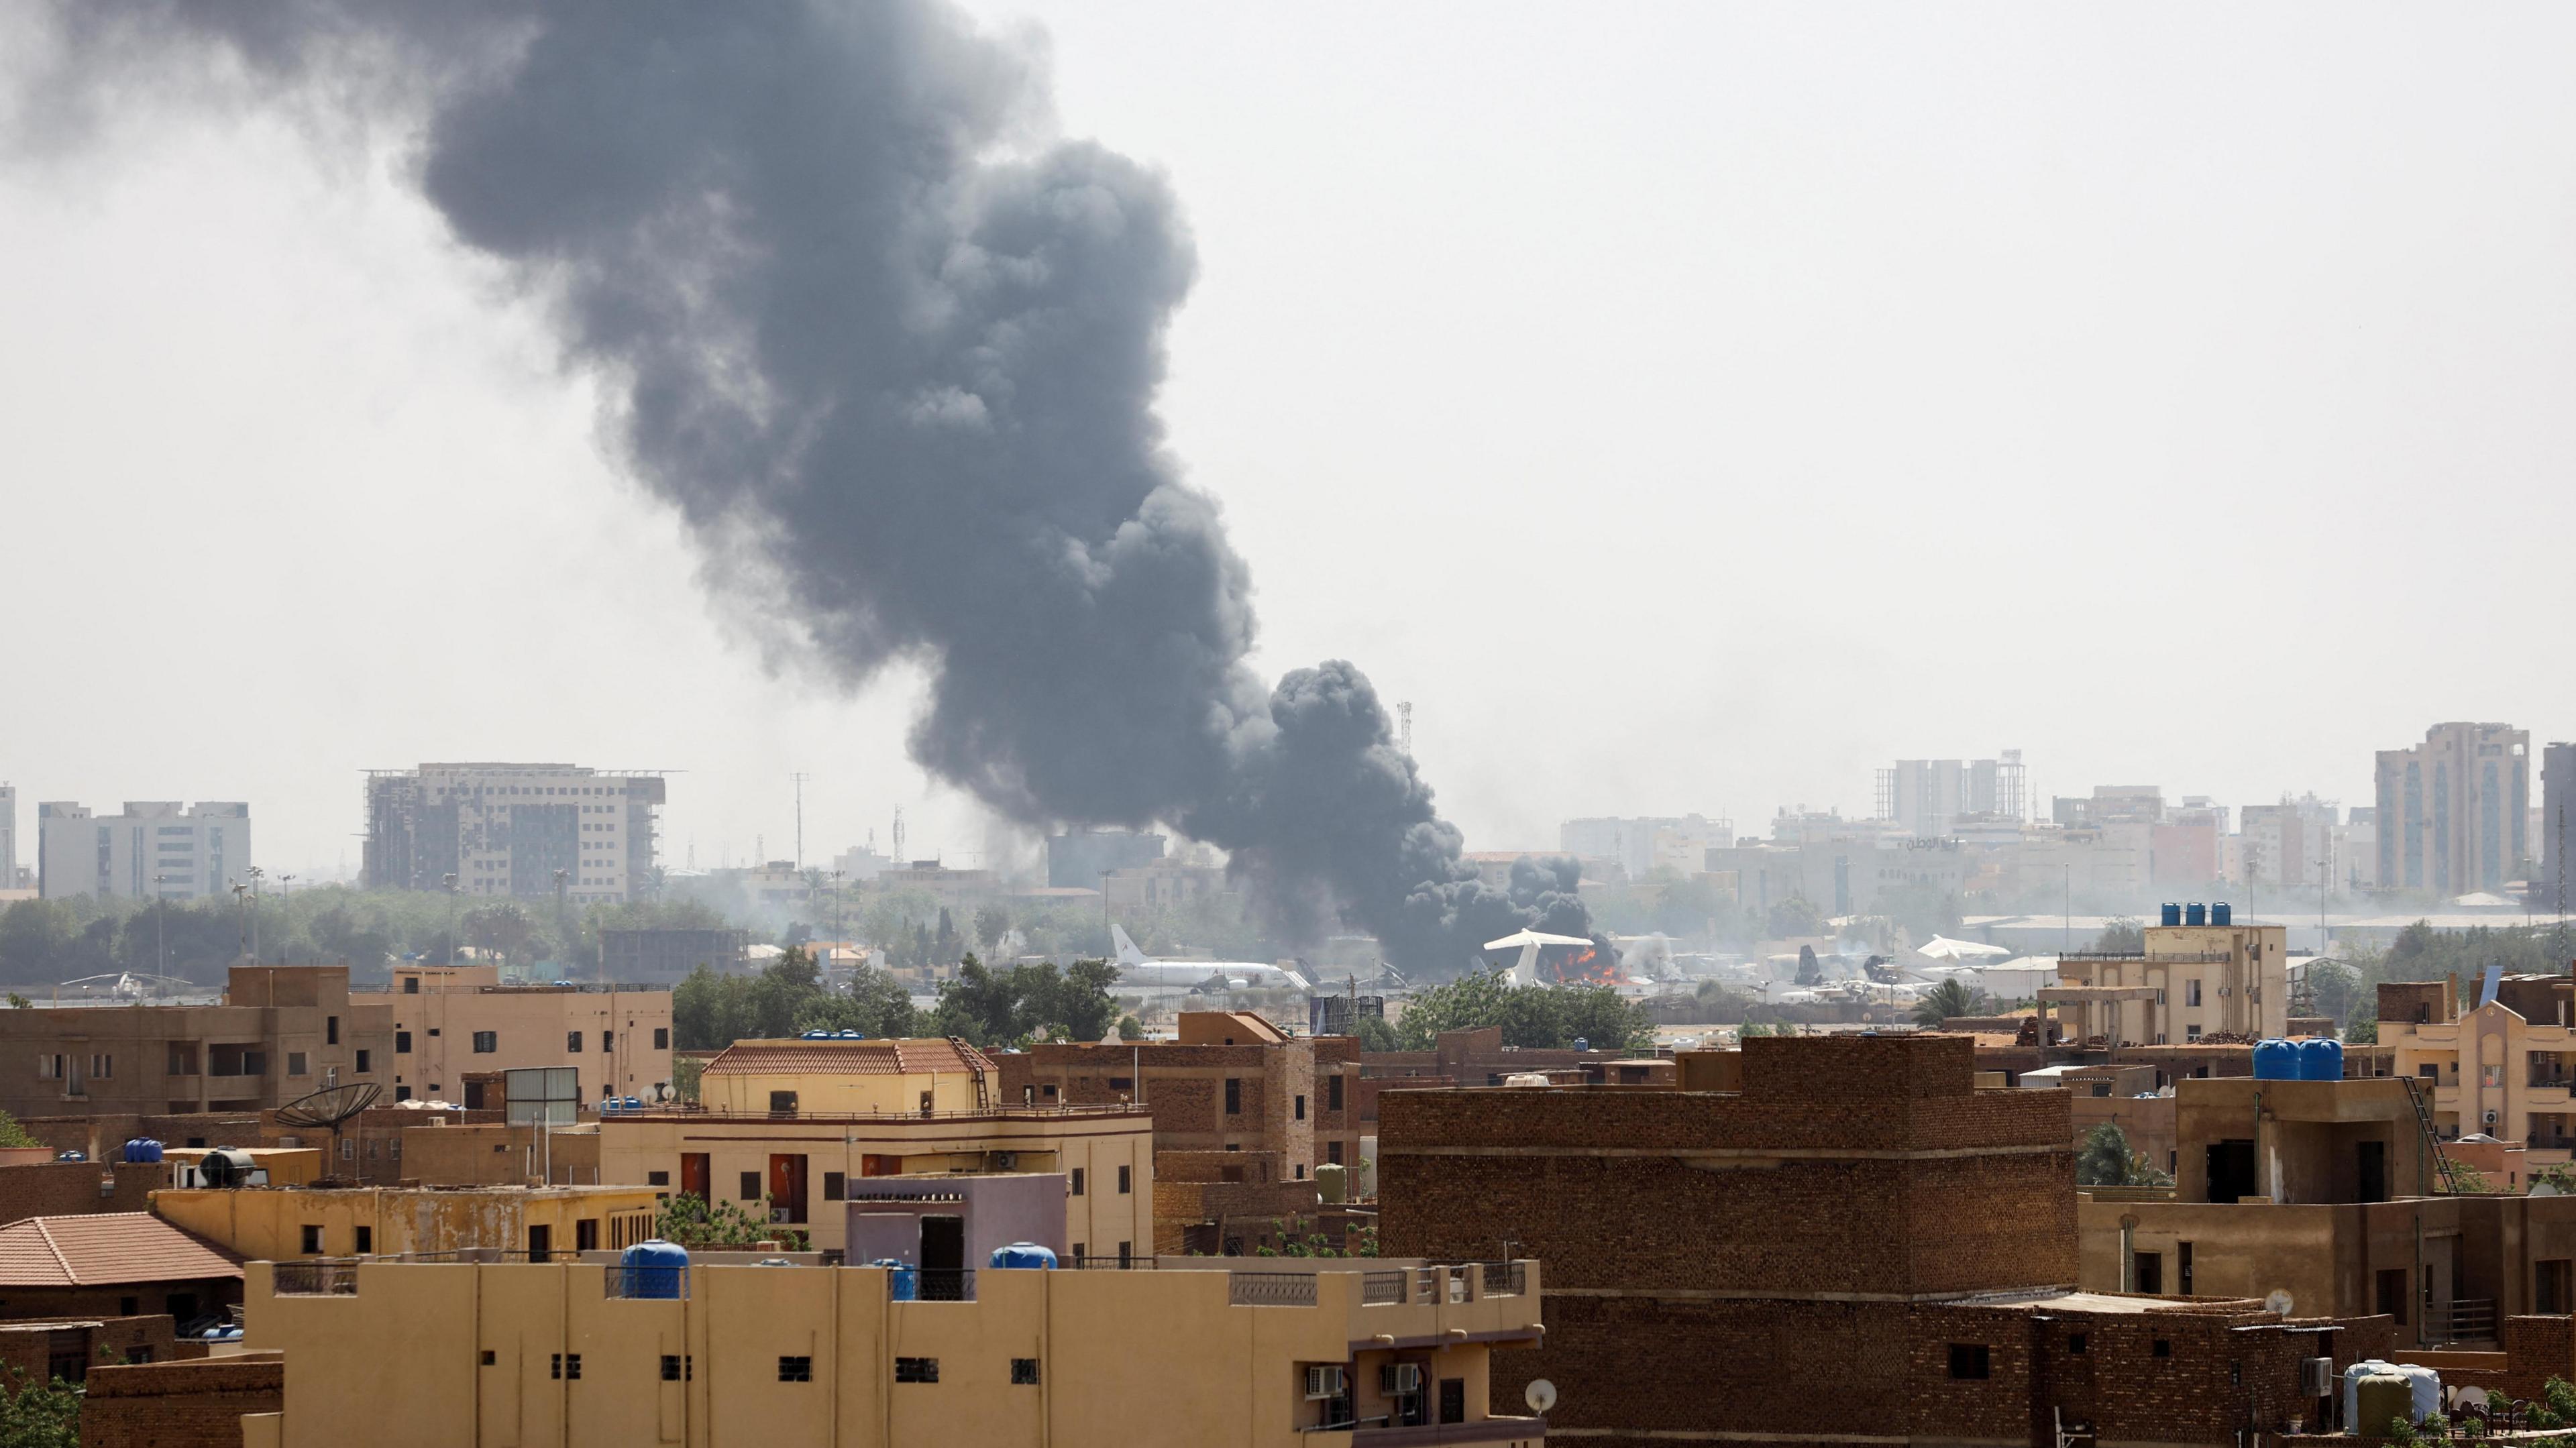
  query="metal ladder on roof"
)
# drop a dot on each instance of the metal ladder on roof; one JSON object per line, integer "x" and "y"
{"x": 2432, "y": 1140}
{"x": 983, "y": 1089}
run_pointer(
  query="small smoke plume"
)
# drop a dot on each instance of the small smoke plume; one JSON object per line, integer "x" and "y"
{"x": 894, "y": 361}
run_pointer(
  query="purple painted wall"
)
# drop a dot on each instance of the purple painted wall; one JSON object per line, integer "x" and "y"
{"x": 886, "y": 1212}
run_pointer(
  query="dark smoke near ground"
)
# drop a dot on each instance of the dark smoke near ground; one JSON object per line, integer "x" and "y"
{"x": 895, "y": 364}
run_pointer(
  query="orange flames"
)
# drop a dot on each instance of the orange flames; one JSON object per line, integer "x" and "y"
{"x": 1587, "y": 967}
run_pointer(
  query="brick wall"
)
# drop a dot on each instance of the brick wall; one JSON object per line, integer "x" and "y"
{"x": 2407, "y": 1000}
{"x": 181, "y": 1404}
{"x": 39, "y": 1349}
{"x": 70, "y": 1188}
{"x": 120, "y": 1300}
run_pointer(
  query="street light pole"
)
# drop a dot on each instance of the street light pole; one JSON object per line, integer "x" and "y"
{"x": 255, "y": 873}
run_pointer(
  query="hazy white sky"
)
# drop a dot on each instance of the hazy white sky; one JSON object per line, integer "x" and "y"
{"x": 1688, "y": 408}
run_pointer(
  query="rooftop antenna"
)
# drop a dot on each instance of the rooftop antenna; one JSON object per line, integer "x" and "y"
{"x": 800, "y": 777}
{"x": 325, "y": 1109}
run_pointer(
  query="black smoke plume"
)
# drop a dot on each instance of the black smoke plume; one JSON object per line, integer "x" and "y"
{"x": 893, "y": 356}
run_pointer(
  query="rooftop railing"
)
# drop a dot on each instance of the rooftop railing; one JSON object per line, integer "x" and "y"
{"x": 684, "y": 1111}
{"x": 323, "y": 1278}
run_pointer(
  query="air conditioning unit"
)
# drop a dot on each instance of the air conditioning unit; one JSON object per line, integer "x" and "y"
{"x": 1006, "y": 1161}
{"x": 2491, "y": 1116}
{"x": 2316, "y": 1377}
{"x": 1324, "y": 1380}
{"x": 1398, "y": 1378}
{"x": 777, "y": 1215}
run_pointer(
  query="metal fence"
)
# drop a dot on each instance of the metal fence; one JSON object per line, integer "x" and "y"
{"x": 944, "y": 1284}
{"x": 2466, "y": 1319}
{"x": 1271, "y": 1289}
{"x": 316, "y": 1279}
{"x": 1506, "y": 1279}
{"x": 1381, "y": 1287}
{"x": 646, "y": 1282}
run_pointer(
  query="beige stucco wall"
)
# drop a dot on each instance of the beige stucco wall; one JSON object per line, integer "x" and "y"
{"x": 844, "y": 1092}
{"x": 531, "y": 1026}
{"x": 2492, "y": 1060}
{"x": 269, "y": 1224}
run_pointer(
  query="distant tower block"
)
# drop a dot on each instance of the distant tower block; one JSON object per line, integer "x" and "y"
{"x": 1404, "y": 726}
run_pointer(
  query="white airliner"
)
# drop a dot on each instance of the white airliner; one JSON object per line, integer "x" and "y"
{"x": 1136, "y": 968}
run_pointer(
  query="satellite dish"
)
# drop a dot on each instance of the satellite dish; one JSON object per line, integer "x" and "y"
{"x": 325, "y": 1109}
{"x": 2279, "y": 1301}
{"x": 1541, "y": 1395}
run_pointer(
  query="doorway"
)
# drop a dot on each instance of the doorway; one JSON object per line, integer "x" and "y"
{"x": 2231, "y": 1170}
{"x": 943, "y": 1259}
{"x": 541, "y": 1242}
{"x": 2374, "y": 1171}
{"x": 787, "y": 1187}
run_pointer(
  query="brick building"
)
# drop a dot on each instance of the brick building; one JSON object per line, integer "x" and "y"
{"x": 112, "y": 1264}
{"x": 280, "y": 1032}
{"x": 1226, "y": 1203}
{"x": 184, "y": 1404}
{"x": 1470, "y": 1058}
{"x": 1232, "y": 1082}
{"x": 1856, "y": 1246}
{"x": 70, "y": 1348}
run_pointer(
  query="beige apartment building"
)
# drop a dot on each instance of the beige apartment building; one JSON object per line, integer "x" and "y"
{"x": 280, "y": 1032}
{"x": 2503, "y": 1069}
{"x": 2190, "y": 981}
{"x": 454, "y": 1023}
{"x": 279, "y": 1224}
{"x": 1201, "y": 1354}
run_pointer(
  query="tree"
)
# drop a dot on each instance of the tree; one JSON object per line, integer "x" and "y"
{"x": 1374, "y": 1034}
{"x": 1952, "y": 997}
{"x": 39, "y": 1414}
{"x": 1132, "y": 1029}
{"x": 2463, "y": 1180}
{"x": 2123, "y": 936}
{"x": 946, "y": 947}
{"x": 1534, "y": 1017}
{"x": 876, "y": 1004}
{"x": 2336, "y": 988}
{"x": 992, "y": 922}
{"x": 2104, "y": 1160}
{"x": 12, "y": 1134}
{"x": 1796, "y": 916}
{"x": 693, "y": 1221}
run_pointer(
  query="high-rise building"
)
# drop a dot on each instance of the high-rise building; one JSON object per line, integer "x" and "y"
{"x": 1928, "y": 795}
{"x": 512, "y": 829}
{"x": 2553, "y": 884}
{"x": 154, "y": 850}
{"x": 2452, "y": 810}
{"x": 8, "y": 837}
{"x": 2291, "y": 845}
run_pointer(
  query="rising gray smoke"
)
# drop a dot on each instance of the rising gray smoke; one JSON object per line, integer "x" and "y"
{"x": 896, "y": 368}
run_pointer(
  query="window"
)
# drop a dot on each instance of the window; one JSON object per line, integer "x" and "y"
{"x": 679, "y": 1367}
{"x": 295, "y": 1064}
{"x": 49, "y": 1067}
{"x": 2191, "y": 992}
{"x": 1234, "y": 1096}
{"x": 312, "y": 1239}
{"x": 1126, "y": 1254}
{"x": 366, "y": 1240}
{"x": 411, "y": 985}
{"x": 661, "y": 1038}
{"x": 2190, "y": 1034}
{"x": 348, "y": 1149}
{"x": 783, "y": 1102}
{"x": 129, "y": 1306}
{"x": 366, "y": 1062}
{"x": 402, "y": 1043}
{"x": 836, "y": 1186}
{"x": 657, "y": 1179}
{"x": 1333, "y": 1152}
{"x": 401, "y": 1093}
{"x": 330, "y": 1030}
{"x": 1024, "y": 1372}
{"x": 1125, "y": 1179}
{"x": 490, "y": 1357}
{"x": 1332, "y": 1093}
{"x": 1968, "y": 1360}
{"x": 798, "y": 1369}
{"x": 1301, "y": 1171}
{"x": 1077, "y": 1181}
{"x": 183, "y": 1058}
{"x": 751, "y": 1186}
{"x": 906, "y": 1369}
{"x": 485, "y": 1042}
{"x": 2163, "y": 1348}
{"x": 101, "y": 1067}
{"x": 585, "y": 1235}
{"x": 608, "y": 1040}
{"x": 567, "y": 1366}
{"x": 1301, "y": 1108}
{"x": 433, "y": 1031}
{"x": 2075, "y": 1344}
{"x": 572, "y": 1041}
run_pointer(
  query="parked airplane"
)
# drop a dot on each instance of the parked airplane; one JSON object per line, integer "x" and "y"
{"x": 1136, "y": 968}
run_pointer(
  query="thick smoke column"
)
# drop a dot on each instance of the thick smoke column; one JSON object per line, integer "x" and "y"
{"x": 897, "y": 375}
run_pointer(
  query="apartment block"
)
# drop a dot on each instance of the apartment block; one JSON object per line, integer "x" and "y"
{"x": 2218, "y": 978}
{"x": 279, "y": 1224}
{"x": 1930, "y": 796}
{"x": 1643, "y": 844}
{"x": 2503, "y": 1068}
{"x": 281, "y": 1031}
{"x": 667, "y": 957}
{"x": 450, "y": 1022}
{"x": 151, "y": 850}
{"x": 520, "y": 830}
{"x": 1285, "y": 1355}
{"x": 2553, "y": 880}
{"x": 8, "y": 836}
{"x": 1855, "y": 1246}
{"x": 2452, "y": 810}
{"x": 1231, "y": 1082}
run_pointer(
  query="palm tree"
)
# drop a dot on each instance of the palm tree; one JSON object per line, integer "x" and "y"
{"x": 1951, "y": 997}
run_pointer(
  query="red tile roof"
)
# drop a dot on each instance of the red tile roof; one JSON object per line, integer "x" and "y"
{"x": 104, "y": 1249}
{"x": 848, "y": 1058}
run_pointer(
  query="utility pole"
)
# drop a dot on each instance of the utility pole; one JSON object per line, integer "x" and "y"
{"x": 800, "y": 777}
{"x": 255, "y": 873}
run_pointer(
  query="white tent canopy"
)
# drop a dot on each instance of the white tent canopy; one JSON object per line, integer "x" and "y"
{"x": 1942, "y": 947}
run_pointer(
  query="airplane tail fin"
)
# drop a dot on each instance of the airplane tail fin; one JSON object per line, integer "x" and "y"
{"x": 1128, "y": 954}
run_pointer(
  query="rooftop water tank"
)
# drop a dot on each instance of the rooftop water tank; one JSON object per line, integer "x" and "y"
{"x": 2222, "y": 913}
{"x": 2276, "y": 1060}
{"x": 1332, "y": 1183}
{"x": 902, "y": 1283}
{"x": 2195, "y": 913}
{"x": 2320, "y": 1059}
{"x": 143, "y": 1148}
{"x": 654, "y": 1268}
{"x": 2170, "y": 913}
{"x": 1581, "y": 1044}
{"x": 2379, "y": 1400}
{"x": 1027, "y": 1255}
{"x": 226, "y": 1167}
{"x": 817, "y": 1035}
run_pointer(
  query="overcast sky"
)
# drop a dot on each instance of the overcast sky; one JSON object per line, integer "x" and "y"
{"x": 1687, "y": 408}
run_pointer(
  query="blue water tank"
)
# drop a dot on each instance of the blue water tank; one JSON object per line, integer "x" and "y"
{"x": 1581, "y": 1044}
{"x": 143, "y": 1148}
{"x": 1024, "y": 1254}
{"x": 853, "y": 1036}
{"x": 655, "y": 1268}
{"x": 2195, "y": 913}
{"x": 2170, "y": 914}
{"x": 2276, "y": 1060}
{"x": 2222, "y": 913}
{"x": 902, "y": 1283}
{"x": 818, "y": 1035}
{"x": 2320, "y": 1059}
